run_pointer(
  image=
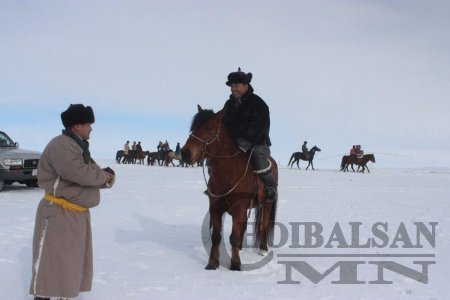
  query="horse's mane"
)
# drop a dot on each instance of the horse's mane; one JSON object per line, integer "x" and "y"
{"x": 201, "y": 117}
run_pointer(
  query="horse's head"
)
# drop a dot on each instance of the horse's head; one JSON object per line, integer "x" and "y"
{"x": 205, "y": 130}
{"x": 371, "y": 157}
{"x": 315, "y": 148}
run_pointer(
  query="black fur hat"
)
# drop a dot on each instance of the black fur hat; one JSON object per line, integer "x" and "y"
{"x": 77, "y": 114}
{"x": 239, "y": 77}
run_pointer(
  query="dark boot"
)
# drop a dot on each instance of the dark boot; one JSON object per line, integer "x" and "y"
{"x": 270, "y": 187}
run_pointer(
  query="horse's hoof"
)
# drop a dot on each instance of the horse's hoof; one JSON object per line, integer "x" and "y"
{"x": 263, "y": 252}
{"x": 211, "y": 267}
{"x": 235, "y": 267}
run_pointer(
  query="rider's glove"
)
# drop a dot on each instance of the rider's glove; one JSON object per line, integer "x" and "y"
{"x": 243, "y": 144}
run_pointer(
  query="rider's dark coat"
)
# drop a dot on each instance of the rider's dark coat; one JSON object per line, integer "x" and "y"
{"x": 248, "y": 118}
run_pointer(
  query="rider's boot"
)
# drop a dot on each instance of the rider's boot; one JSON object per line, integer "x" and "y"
{"x": 270, "y": 187}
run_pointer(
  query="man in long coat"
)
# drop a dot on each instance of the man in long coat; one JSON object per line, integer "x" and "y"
{"x": 62, "y": 242}
{"x": 247, "y": 118}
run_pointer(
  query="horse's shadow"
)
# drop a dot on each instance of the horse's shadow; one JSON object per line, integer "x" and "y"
{"x": 184, "y": 238}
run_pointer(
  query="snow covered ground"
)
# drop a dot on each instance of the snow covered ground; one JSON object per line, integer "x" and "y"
{"x": 148, "y": 245}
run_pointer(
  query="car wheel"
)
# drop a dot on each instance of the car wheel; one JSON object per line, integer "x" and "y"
{"x": 32, "y": 183}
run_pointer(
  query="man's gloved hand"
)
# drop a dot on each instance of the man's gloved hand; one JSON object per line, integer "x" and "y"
{"x": 243, "y": 144}
{"x": 110, "y": 176}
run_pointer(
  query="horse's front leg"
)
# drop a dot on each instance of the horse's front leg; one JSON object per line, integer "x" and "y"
{"x": 309, "y": 163}
{"x": 367, "y": 168}
{"x": 216, "y": 237}
{"x": 239, "y": 221}
{"x": 352, "y": 168}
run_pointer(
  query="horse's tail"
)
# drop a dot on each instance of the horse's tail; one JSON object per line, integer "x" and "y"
{"x": 264, "y": 232}
{"x": 292, "y": 156}
{"x": 257, "y": 233}
{"x": 258, "y": 230}
{"x": 272, "y": 219}
{"x": 343, "y": 162}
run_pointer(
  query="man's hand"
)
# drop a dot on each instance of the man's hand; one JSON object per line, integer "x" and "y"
{"x": 243, "y": 144}
{"x": 110, "y": 176}
{"x": 109, "y": 170}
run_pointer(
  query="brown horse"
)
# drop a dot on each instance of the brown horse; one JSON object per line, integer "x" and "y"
{"x": 232, "y": 187}
{"x": 119, "y": 155}
{"x": 159, "y": 156}
{"x": 360, "y": 162}
{"x": 133, "y": 156}
{"x": 140, "y": 156}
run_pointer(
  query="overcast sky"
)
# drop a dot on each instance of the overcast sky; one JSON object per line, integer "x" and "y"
{"x": 334, "y": 73}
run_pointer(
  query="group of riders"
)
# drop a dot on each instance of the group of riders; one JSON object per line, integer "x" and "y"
{"x": 134, "y": 147}
{"x": 355, "y": 150}
{"x": 356, "y": 156}
{"x": 133, "y": 151}
{"x": 164, "y": 147}
{"x": 161, "y": 147}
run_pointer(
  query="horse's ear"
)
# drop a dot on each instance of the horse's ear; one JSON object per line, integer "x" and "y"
{"x": 199, "y": 108}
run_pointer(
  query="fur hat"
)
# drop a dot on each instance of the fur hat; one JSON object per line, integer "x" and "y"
{"x": 239, "y": 77}
{"x": 77, "y": 114}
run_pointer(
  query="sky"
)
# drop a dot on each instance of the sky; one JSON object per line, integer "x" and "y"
{"x": 334, "y": 73}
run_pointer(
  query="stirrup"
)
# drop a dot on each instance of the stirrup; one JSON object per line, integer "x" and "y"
{"x": 270, "y": 194}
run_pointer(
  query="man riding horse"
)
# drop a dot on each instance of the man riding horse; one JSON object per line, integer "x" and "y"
{"x": 305, "y": 150}
{"x": 247, "y": 118}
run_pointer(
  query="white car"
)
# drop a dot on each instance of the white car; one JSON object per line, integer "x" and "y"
{"x": 17, "y": 165}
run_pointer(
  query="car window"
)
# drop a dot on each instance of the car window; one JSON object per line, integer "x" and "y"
{"x": 5, "y": 141}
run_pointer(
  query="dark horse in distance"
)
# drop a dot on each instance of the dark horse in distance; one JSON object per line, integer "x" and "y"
{"x": 119, "y": 155}
{"x": 296, "y": 156}
{"x": 359, "y": 161}
{"x": 233, "y": 188}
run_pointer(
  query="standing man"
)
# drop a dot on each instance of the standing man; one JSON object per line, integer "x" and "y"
{"x": 247, "y": 118}
{"x": 62, "y": 241}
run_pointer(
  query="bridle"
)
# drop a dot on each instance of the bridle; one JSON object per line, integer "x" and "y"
{"x": 205, "y": 152}
{"x": 214, "y": 139}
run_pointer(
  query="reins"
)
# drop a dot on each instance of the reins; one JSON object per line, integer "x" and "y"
{"x": 205, "y": 152}
{"x": 234, "y": 187}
